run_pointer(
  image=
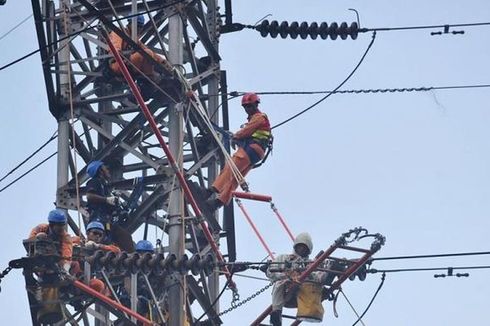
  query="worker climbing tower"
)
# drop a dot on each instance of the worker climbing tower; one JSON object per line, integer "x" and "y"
{"x": 99, "y": 114}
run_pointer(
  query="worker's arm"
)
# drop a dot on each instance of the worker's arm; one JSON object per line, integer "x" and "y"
{"x": 116, "y": 40}
{"x": 113, "y": 248}
{"x": 276, "y": 271}
{"x": 250, "y": 127}
{"x": 38, "y": 229}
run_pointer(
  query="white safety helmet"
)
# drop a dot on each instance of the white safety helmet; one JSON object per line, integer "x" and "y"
{"x": 304, "y": 238}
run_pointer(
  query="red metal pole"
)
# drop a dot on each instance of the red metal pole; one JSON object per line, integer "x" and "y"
{"x": 248, "y": 195}
{"x": 171, "y": 160}
{"x": 276, "y": 211}
{"x": 244, "y": 211}
{"x": 111, "y": 302}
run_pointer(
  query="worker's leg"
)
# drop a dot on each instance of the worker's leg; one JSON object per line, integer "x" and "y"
{"x": 278, "y": 300}
{"x": 226, "y": 183}
{"x": 99, "y": 286}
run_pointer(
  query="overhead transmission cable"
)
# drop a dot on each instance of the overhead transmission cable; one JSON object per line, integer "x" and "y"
{"x": 15, "y": 27}
{"x": 79, "y": 32}
{"x": 53, "y": 137}
{"x": 336, "y": 88}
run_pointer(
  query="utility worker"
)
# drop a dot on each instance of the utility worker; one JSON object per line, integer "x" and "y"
{"x": 95, "y": 234}
{"x": 252, "y": 140}
{"x": 136, "y": 58}
{"x": 144, "y": 246}
{"x": 101, "y": 203}
{"x": 55, "y": 230}
{"x": 284, "y": 272}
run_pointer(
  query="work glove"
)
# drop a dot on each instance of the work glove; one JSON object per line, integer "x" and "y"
{"x": 91, "y": 245}
{"x": 66, "y": 267}
{"x": 112, "y": 200}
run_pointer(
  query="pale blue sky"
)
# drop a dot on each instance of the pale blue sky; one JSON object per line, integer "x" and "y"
{"x": 411, "y": 166}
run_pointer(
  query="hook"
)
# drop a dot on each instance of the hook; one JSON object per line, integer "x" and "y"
{"x": 357, "y": 15}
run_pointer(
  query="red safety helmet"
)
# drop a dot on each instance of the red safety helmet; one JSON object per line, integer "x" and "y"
{"x": 250, "y": 98}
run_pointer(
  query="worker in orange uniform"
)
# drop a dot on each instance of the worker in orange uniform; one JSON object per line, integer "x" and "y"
{"x": 55, "y": 230}
{"x": 95, "y": 234}
{"x": 136, "y": 58}
{"x": 252, "y": 141}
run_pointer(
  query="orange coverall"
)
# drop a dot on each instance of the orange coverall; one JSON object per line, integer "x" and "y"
{"x": 226, "y": 183}
{"x": 65, "y": 241}
{"x": 136, "y": 58}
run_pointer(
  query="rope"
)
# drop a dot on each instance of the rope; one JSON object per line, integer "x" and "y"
{"x": 336, "y": 88}
{"x": 352, "y": 307}
{"x": 72, "y": 123}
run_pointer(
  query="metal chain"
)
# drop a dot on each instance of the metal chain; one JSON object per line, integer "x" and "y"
{"x": 236, "y": 305}
{"x": 4, "y": 273}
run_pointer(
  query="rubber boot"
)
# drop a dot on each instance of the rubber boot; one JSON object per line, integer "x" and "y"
{"x": 276, "y": 318}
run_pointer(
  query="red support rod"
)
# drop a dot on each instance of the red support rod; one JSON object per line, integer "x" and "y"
{"x": 264, "y": 244}
{"x": 111, "y": 302}
{"x": 171, "y": 160}
{"x": 283, "y": 222}
{"x": 248, "y": 195}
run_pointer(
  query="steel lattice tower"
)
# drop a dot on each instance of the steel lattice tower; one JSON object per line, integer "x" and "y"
{"x": 99, "y": 119}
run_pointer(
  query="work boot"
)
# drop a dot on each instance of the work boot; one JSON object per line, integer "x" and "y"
{"x": 208, "y": 192}
{"x": 213, "y": 204}
{"x": 276, "y": 318}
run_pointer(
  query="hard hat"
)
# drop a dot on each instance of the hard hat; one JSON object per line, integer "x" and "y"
{"x": 250, "y": 98}
{"x": 145, "y": 245}
{"x": 95, "y": 225}
{"x": 57, "y": 216}
{"x": 304, "y": 238}
{"x": 93, "y": 167}
{"x": 140, "y": 20}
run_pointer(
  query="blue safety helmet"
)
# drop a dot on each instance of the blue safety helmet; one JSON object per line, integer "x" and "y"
{"x": 140, "y": 20}
{"x": 95, "y": 225}
{"x": 57, "y": 216}
{"x": 145, "y": 245}
{"x": 94, "y": 167}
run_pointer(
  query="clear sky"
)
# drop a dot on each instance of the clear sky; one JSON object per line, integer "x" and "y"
{"x": 412, "y": 166}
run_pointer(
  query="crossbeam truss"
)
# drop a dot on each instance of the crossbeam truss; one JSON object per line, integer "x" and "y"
{"x": 99, "y": 118}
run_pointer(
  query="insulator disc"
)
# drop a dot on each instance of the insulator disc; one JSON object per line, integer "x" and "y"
{"x": 313, "y": 30}
{"x": 354, "y": 30}
{"x": 323, "y": 30}
{"x": 294, "y": 30}
{"x": 263, "y": 28}
{"x": 343, "y": 32}
{"x": 284, "y": 29}
{"x": 303, "y": 30}
{"x": 333, "y": 31}
{"x": 274, "y": 28}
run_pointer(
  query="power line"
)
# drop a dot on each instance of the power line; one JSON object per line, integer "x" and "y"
{"x": 405, "y": 28}
{"x": 54, "y": 136}
{"x": 235, "y": 94}
{"x": 423, "y": 269}
{"x": 79, "y": 32}
{"x": 15, "y": 27}
{"x": 383, "y": 277}
{"x": 475, "y": 253}
{"x": 29, "y": 171}
{"x": 336, "y": 89}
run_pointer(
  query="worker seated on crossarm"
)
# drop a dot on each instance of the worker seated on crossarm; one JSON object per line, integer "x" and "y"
{"x": 95, "y": 234}
{"x": 285, "y": 271}
{"x": 56, "y": 231}
{"x": 252, "y": 141}
{"x": 142, "y": 64}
